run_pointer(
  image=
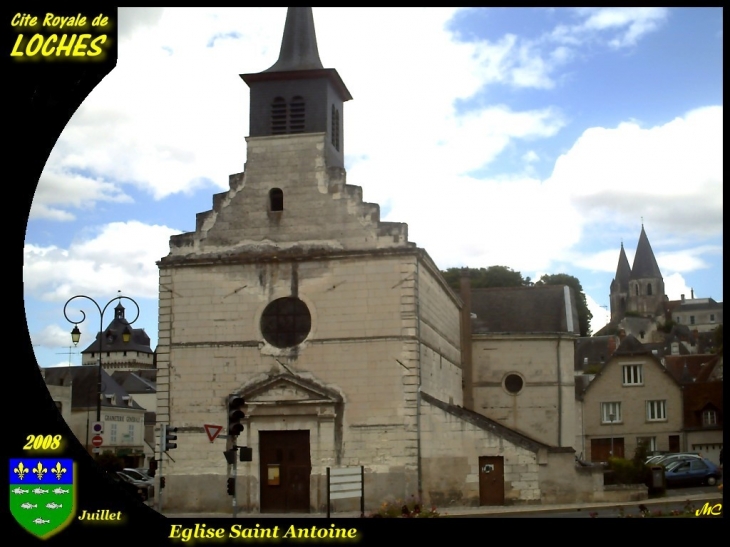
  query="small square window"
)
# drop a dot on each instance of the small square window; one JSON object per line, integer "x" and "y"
{"x": 709, "y": 417}
{"x": 691, "y": 319}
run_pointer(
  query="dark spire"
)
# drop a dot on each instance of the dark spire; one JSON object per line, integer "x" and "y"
{"x": 645, "y": 264}
{"x": 299, "y": 44}
{"x": 623, "y": 271}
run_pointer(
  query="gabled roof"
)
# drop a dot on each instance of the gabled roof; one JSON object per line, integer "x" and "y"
{"x": 699, "y": 397}
{"x": 544, "y": 308}
{"x": 645, "y": 264}
{"x": 85, "y": 385}
{"x": 630, "y": 347}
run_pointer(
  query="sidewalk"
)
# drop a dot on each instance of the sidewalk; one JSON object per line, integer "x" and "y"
{"x": 474, "y": 511}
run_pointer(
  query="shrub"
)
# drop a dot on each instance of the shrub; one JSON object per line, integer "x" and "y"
{"x": 400, "y": 509}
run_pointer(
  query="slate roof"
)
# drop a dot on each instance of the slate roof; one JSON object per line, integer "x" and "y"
{"x": 522, "y": 310}
{"x": 113, "y": 336}
{"x": 688, "y": 305}
{"x": 645, "y": 264}
{"x": 133, "y": 382}
{"x": 596, "y": 349}
{"x": 85, "y": 385}
{"x": 623, "y": 271}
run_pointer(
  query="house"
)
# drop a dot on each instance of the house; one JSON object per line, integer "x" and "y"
{"x": 121, "y": 417}
{"x": 702, "y": 397}
{"x": 336, "y": 336}
{"x": 141, "y": 385}
{"x": 633, "y": 399}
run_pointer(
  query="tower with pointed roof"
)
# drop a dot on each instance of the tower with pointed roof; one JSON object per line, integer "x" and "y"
{"x": 638, "y": 290}
{"x": 620, "y": 287}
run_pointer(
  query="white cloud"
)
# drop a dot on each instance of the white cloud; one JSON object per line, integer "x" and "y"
{"x": 51, "y": 336}
{"x": 675, "y": 286}
{"x": 671, "y": 175}
{"x": 120, "y": 256}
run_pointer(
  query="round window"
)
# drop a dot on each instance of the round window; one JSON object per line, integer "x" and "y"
{"x": 286, "y": 322}
{"x": 513, "y": 383}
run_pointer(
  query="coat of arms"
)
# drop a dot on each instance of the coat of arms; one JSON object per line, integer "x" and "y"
{"x": 43, "y": 494}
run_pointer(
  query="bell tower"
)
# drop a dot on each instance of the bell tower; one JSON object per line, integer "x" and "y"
{"x": 297, "y": 94}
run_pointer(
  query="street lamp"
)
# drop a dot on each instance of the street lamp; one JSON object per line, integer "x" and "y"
{"x": 76, "y": 335}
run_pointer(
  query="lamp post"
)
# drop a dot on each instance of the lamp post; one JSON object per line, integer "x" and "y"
{"x": 76, "y": 335}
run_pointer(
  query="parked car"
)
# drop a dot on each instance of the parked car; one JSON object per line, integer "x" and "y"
{"x": 671, "y": 458}
{"x": 692, "y": 472}
{"x": 139, "y": 475}
{"x": 129, "y": 487}
{"x": 145, "y": 488}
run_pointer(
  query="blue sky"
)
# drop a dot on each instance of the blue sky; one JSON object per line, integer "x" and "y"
{"x": 531, "y": 138}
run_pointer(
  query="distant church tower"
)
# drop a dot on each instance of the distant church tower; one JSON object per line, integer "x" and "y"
{"x": 639, "y": 289}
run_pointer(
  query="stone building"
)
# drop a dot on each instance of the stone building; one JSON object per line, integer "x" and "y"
{"x": 340, "y": 334}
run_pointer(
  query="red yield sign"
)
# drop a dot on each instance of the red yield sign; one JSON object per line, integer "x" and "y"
{"x": 212, "y": 431}
{"x": 97, "y": 440}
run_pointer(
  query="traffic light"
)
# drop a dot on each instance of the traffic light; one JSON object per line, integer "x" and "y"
{"x": 162, "y": 482}
{"x": 235, "y": 415}
{"x": 170, "y": 438}
{"x": 231, "y": 486}
{"x": 153, "y": 468}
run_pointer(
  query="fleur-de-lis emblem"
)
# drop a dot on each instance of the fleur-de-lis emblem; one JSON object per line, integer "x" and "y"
{"x": 39, "y": 470}
{"x": 21, "y": 470}
{"x": 58, "y": 470}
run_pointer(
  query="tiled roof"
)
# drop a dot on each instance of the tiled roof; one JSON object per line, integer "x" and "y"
{"x": 688, "y": 368}
{"x": 523, "y": 309}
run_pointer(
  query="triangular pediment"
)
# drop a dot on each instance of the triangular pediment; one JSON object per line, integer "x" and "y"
{"x": 289, "y": 389}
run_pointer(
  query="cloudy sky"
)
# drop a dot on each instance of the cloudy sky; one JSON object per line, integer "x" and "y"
{"x": 536, "y": 139}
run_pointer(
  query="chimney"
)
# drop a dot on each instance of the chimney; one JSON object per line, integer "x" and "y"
{"x": 692, "y": 294}
{"x": 621, "y": 335}
{"x": 682, "y": 298}
{"x": 611, "y": 345}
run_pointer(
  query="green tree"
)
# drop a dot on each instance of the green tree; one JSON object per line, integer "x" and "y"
{"x": 584, "y": 314}
{"x": 481, "y": 278}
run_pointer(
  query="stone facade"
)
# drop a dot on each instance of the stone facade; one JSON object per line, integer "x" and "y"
{"x": 544, "y": 406}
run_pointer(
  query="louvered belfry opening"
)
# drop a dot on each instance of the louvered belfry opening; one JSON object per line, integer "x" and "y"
{"x": 278, "y": 116}
{"x": 287, "y": 118}
{"x": 296, "y": 115}
{"x": 335, "y": 130}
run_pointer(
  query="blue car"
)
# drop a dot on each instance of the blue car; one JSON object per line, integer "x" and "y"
{"x": 693, "y": 472}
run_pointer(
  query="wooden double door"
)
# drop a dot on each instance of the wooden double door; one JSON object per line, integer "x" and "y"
{"x": 285, "y": 471}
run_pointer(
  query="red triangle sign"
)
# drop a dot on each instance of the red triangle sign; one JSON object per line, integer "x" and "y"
{"x": 212, "y": 431}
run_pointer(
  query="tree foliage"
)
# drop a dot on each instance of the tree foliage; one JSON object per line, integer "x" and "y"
{"x": 481, "y": 278}
{"x": 584, "y": 314}
{"x": 503, "y": 276}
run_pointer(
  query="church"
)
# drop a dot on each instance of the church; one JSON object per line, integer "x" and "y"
{"x": 338, "y": 333}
